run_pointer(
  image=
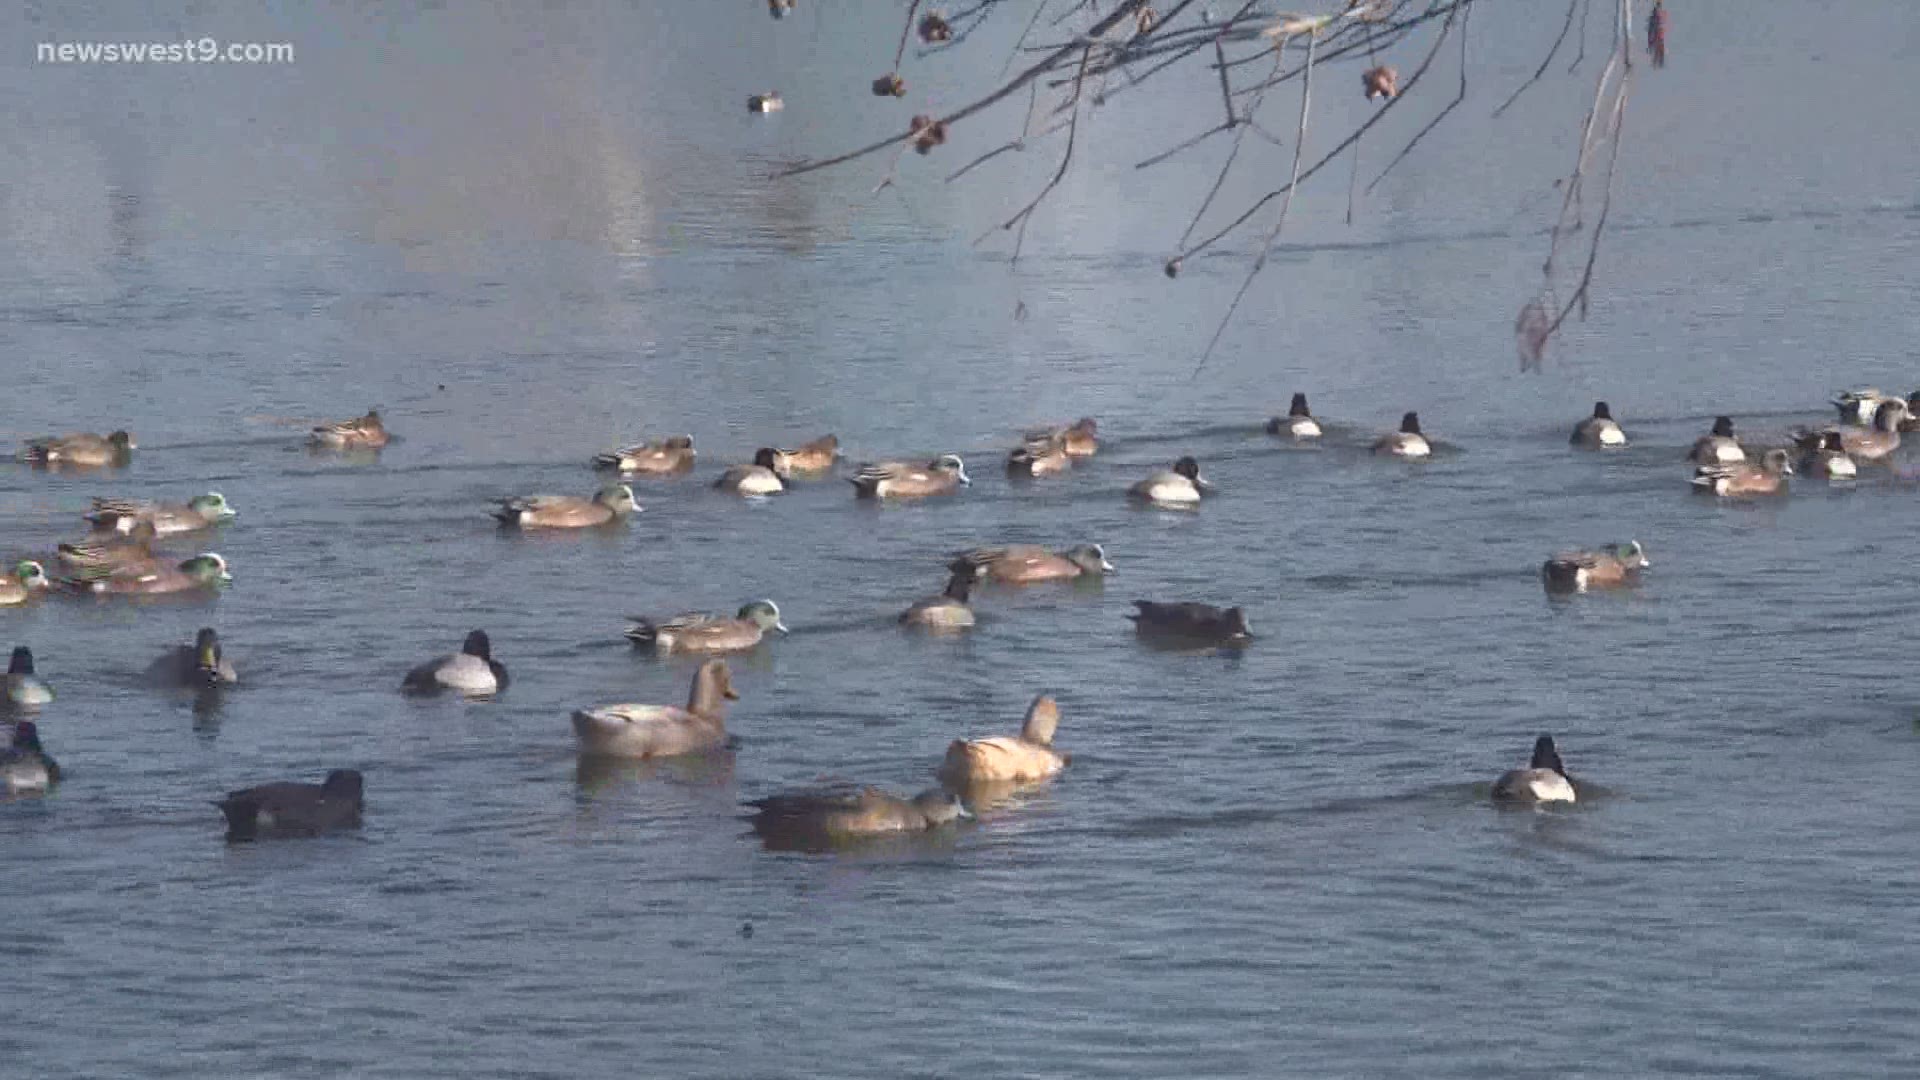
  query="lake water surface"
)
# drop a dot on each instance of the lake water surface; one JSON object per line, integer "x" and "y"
{"x": 532, "y": 233}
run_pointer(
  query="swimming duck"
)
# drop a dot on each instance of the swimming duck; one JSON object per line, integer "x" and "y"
{"x": 1191, "y": 621}
{"x": 1718, "y": 446}
{"x": 1578, "y": 571}
{"x": 766, "y": 103}
{"x": 27, "y": 582}
{"x": 472, "y": 670}
{"x": 199, "y": 512}
{"x": 824, "y": 816}
{"x": 1767, "y": 478}
{"x": 363, "y": 433}
{"x": 1543, "y": 780}
{"x": 1408, "y": 442}
{"x": 109, "y": 551}
{"x": 289, "y": 809}
{"x": 649, "y": 731}
{"x": 1858, "y": 406}
{"x": 85, "y": 449}
{"x": 1827, "y": 456}
{"x": 760, "y": 478}
{"x": 1599, "y": 430}
{"x": 702, "y": 633}
{"x": 25, "y": 765}
{"x": 674, "y": 454}
{"x": 1039, "y": 457}
{"x": 1181, "y": 485}
{"x": 199, "y": 665}
{"x": 1017, "y": 758}
{"x": 204, "y": 571}
{"x": 610, "y": 503}
{"x": 1880, "y": 440}
{"x": 24, "y": 688}
{"x": 816, "y": 456}
{"x": 901, "y": 480}
{"x": 949, "y": 610}
{"x": 1299, "y": 421}
{"x": 1025, "y": 563}
{"x": 1080, "y": 438}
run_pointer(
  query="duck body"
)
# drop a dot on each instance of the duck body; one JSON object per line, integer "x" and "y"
{"x": 609, "y": 504}
{"x": 766, "y": 103}
{"x": 206, "y": 572}
{"x": 1045, "y": 457}
{"x": 662, "y": 458}
{"x": 287, "y": 809}
{"x": 828, "y": 815}
{"x": 85, "y": 450}
{"x": 27, "y": 582}
{"x": 1022, "y": 758}
{"x": 1077, "y": 440}
{"x": 949, "y": 610}
{"x": 367, "y": 432}
{"x": 1599, "y": 431}
{"x": 1824, "y": 454}
{"x": 760, "y": 478}
{"x": 903, "y": 480}
{"x": 814, "y": 457}
{"x": 1190, "y": 621}
{"x": 1882, "y": 439}
{"x": 110, "y": 551}
{"x": 167, "y": 519}
{"x": 703, "y": 633}
{"x": 1180, "y": 486}
{"x": 1744, "y": 478}
{"x": 1717, "y": 447}
{"x": 1026, "y": 563}
{"x": 25, "y": 765}
{"x": 650, "y": 731}
{"x": 199, "y": 665}
{"x": 1607, "y": 567}
{"x": 25, "y": 690}
{"x": 472, "y": 670}
{"x": 1408, "y": 442}
{"x": 1858, "y": 406}
{"x": 1544, "y": 780}
{"x": 1299, "y": 423}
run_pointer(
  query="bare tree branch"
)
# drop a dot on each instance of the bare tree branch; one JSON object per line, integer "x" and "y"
{"x": 1544, "y": 63}
{"x": 1465, "y": 15}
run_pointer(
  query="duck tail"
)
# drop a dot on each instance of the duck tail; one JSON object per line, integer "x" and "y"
{"x": 606, "y": 461}
{"x": 643, "y": 632}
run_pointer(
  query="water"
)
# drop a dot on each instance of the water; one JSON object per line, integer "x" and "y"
{"x": 530, "y": 235}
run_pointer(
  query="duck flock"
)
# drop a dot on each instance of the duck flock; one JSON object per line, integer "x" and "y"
{"x": 118, "y": 558}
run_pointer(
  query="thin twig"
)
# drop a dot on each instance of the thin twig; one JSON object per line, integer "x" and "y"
{"x": 1582, "y": 54}
{"x": 1221, "y": 179}
{"x": 1026, "y": 212}
{"x": 1466, "y": 14}
{"x": 1542, "y": 70}
{"x": 912, "y": 10}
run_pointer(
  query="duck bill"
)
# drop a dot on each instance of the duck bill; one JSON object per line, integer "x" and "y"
{"x": 1205, "y": 486}
{"x": 1108, "y": 568}
{"x": 781, "y": 627}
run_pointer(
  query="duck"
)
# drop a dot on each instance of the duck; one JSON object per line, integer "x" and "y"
{"x": 206, "y": 571}
{"x": 167, "y": 519}
{"x": 1298, "y": 423}
{"x": 1079, "y": 439}
{"x": 1408, "y": 442}
{"x": 1717, "y": 446}
{"x": 1605, "y": 567}
{"x": 1743, "y": 478}
{"x": 1825, "y": 454}
{"x": 1858, "y": 406}
{"x": 1039, "y": 457}
{"x": 26, "y": 583}
{"x": 650, "y": 731}
{"x": 809, "y": 457}
{"x": 611, "y": 503}
{"x": 1544, "y": 779}
{"x": 1020, "y": 758}
{"x": 1880, "y": 440}
{"x": 1191, "y": 621}
{"x": 84, "y": 449}
{"x": 290, "y": 809}
{"x": 674, "y": 454}
{"x": 25, "y": 765}
{"x": 1025, "y": 563}
{"x": 1599, "y": 431}
{"x": 1181, "y": 485}
{"x": 109, "y": 551}
{"x": 472, "y": 670}
{"x": 25, "y": 690}
{"x": 766, "y": 103}
{"x": 361, "y": 433}
{"x": 702, "y": 633}
{"x": 828, "y": 815}
{"x": 944, "y": 475}
{"x": 199, "y": 665}
{"x": 949, "y": 610}
{"x": 760, "y": 478}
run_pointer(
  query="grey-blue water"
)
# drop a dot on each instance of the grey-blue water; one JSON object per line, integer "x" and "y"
{"x": 530, "y": 233}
